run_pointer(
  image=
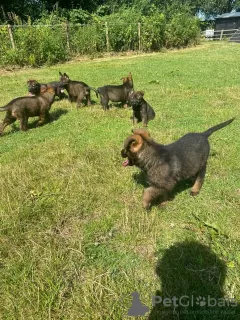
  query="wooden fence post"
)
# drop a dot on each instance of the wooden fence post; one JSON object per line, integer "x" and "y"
{"x": 11, "y": 36}
{"x": 221, "y": 35}
{"x": 107, "y": 37}
{"x": 139, "y": 36}
{"x": 67, "y": 35}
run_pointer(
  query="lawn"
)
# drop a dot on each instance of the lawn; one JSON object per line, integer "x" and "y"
{"x": 75, "y": 241}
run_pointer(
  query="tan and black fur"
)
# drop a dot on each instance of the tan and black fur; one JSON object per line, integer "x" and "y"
{"x": 77, "y": 90}
{"x": 33, "y": 88}
{"x": 116, "y": 93}
{"x": 24, "y": 107}
{"x": 142, "y": 111}
{"x": 166, "y": 165}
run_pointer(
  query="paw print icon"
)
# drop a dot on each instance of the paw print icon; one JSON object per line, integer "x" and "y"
{"x": 201, "y": 301}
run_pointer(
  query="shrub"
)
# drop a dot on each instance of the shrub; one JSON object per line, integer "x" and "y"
{"x": 87, "y": 39}
{"x": 123, "y": 30}
{"x": 36, "y": 46}
{"x": 46, "y": 42}
{"x": 182, "y": 31}
{"x": 153, "y": 32}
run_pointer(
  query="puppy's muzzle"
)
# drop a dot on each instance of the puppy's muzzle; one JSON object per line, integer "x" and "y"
{"x": 124, "y": 153}
{"x": 128, "y": 161}
{"x": 135, "y": 103}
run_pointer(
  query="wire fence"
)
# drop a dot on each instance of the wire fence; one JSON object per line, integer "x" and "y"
{"x": 35, "y": 45}
{"x": 99, "y": 36}
{"x": 102, "y": 36}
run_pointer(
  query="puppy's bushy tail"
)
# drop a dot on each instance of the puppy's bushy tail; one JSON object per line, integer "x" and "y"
{"x": 208, "y": 132}
{"x": 94, "y": 90}
{"x": 5, "y": 108}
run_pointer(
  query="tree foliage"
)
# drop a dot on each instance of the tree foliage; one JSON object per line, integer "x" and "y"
{"x": 78, "y": 10}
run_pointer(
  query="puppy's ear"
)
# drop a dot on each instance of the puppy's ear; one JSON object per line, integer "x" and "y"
{"x": 143, "y": 133}
{"x": 124, "y": 80}
{"x": 130, "y": 75}
{"x": 134, "y": 143}
{"x": 43, "y": 89}
{"x": 50, "y": 90}
{"x": 60, "y": 73}
{"x": 131, "y": 93}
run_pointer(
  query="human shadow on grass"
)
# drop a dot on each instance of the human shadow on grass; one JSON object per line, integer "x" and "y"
{"x": 192, "y": 277}
{"x": 54, "y": 115}
{"x": 140, "y": 178}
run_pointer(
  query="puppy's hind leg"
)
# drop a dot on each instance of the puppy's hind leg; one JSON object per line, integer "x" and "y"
{"x": 79, "y": 100}
{"x": 7, "y": 120}
{"x": 23, "y": 123}
{"x": 88, "y": 97}
{"x": 198, "y": 182}
{"x": 104, "y": 102}
{"x": 150, "y": 194}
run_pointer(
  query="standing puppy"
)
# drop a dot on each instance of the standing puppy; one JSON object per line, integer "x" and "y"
{"x": 77, "y": 90}
{"x": 24, "y": 107}
{"x": 142, "y": 111}
{"x": 116, "y": 93}
{"x": 166, "y": 165}
{"x": 57, "y": 87}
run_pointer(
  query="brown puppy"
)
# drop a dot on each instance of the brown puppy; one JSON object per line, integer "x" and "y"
{"x": 142, "y": 111}
{"x": 166, "y": 165}
{"x": 24, "y": 107}
{"x": 33, "y": 88}
{"x": 116, "y": 93}
{"x": 77, "y": 90}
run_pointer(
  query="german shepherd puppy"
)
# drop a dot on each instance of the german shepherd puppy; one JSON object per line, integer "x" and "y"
{"x": 24, "y": 107}
{"x": 77, "y": 90}
{"x": 142, "y": 111}
{"x": 116, "y": 93}
{"x": 33, "y": 88}
{"x": 166, "y": 165}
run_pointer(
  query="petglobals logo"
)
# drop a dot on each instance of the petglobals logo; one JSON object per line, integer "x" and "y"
{"x": 205, "y": 304}
{"x": 191, "y": 301}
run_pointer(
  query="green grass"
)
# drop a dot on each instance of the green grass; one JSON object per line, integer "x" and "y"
{"x": 75, "y": 241}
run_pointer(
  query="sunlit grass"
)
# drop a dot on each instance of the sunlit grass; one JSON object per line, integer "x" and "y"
{"x": 75, "y": 241}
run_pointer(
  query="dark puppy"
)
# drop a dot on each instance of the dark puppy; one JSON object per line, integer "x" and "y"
{"x": 24, "y": 107}
{"x": 77, "y": 90}
{"x": 142, "y": 111}
{"x": 166, "y": 165}
{"x": 33, "y": 88}
{"x": 116, "y": 93}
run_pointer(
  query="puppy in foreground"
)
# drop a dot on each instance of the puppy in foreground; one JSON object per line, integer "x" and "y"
{"x": 166, "y": 165}
{"x": 142, "y": 111}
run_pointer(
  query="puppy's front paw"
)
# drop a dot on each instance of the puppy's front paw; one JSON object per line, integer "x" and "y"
{"x": 194, "y": 193}
{"x": 147, "y": 205}
{"x": 163, "y": 204}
